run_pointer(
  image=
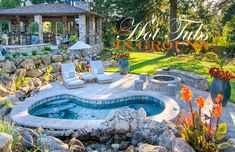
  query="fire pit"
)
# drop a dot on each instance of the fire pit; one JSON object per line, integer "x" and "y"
{"x": 164, "y": 83}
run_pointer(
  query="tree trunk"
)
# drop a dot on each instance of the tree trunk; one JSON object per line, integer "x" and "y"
{"x": 173, "y": 26}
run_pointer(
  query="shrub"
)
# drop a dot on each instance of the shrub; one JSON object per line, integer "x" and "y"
{"x": 34, "y": 52}
{"x": 1, "y": 72}
{"x": 201, "y": 134}
{"x": 20, "y": 81}
{"x": 8, "y": 57}
{"x": 7, "y": 104}
{"x": 15, "y": 54}
{"x": 73, "y": 38}
{"x": 24, "y": 53}
{"x": 48, "y": 73}
{"x": 47, "y": 48}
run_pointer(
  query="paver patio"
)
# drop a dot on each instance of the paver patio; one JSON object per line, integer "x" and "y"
{"x": 126, "y": 83}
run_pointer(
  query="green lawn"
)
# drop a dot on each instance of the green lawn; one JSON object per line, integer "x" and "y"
{"x": 149, "y": 62}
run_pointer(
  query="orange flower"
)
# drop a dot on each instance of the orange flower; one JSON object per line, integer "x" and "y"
{"x": 200, "y": 102}
{"x": 219, "y": 98}
{"x": 217, "y": 111}
{"x": 186, "y": 93}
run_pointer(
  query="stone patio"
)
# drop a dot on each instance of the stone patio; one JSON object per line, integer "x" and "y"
{"x": 123, "y": 84}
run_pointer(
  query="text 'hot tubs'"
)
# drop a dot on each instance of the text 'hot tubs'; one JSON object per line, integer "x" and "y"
{"x": 164, "y": 83}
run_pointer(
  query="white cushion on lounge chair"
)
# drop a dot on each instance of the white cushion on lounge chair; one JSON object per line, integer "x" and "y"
{"x": 103, "y": 78}
{"x": 98, "y": 70}
{"x": 73, "y": 81}
{"x": 87, "y": 76}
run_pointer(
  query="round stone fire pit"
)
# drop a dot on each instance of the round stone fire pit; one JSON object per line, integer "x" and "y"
{"x": 164, "y": 83}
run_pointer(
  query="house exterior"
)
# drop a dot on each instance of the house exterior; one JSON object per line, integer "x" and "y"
{"x": 76, "y": 20}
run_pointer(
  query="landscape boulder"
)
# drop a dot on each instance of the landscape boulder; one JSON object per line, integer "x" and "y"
{"x": 37, "y": 82}
{"x": 76, "y": 145}
{"x": 34, "y": 73}
{"x": 28, "y": 64}
{"x": 180, "y": 145}
{"x": 18, "y": 61}
{"x": 57, "y": 58}
{"x": 5, "y": 142}
{"x": 8, "y": 82}
{"x": 20, "y": 72}
{"x": 8, "y": 67}
{"x": 3, "y": 91}
{"x": 46, "y": 59}
{"x": 151, "y": 148}
{"x": 51, "y": 144}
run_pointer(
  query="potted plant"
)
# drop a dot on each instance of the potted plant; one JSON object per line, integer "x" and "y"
{"x": 123, "y": 62}
{"x": 34, "y": 27}
{"x": 220, "y": 84}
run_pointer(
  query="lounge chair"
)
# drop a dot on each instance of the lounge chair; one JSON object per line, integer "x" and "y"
{"x": 70, "y": 80}
{"x": 98, "y": 70}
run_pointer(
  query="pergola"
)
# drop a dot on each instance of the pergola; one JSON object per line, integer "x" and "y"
{"x": 84, "y": 23}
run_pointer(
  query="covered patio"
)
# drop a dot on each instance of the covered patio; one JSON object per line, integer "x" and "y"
{"x": 54, "y": 22}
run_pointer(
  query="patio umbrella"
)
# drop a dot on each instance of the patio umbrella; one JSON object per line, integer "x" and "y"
{"x": 79, "y": 45}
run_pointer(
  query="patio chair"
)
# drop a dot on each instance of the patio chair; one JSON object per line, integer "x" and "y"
{"x": 98, "y": 70}
{"x": 70, "y": 80}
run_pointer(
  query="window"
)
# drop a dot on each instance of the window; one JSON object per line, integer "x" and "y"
{"x": 59, "y": 28}
{"x": 5, "y": 25}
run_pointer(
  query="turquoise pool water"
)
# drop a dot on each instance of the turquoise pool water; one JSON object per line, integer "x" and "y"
{"x": 67, "y": 107}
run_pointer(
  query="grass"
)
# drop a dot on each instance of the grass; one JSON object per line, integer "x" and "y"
{"x": 143, "y": 62}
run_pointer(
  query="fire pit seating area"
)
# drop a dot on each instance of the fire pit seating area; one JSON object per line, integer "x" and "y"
{"x": 194, "y": 80}
{"x": 166, "y": 84}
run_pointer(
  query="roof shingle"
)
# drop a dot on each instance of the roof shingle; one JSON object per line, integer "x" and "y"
{"x": 52, "y": 9}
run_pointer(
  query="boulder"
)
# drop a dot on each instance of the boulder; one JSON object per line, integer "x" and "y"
{"x": 167, "y": 139}
{"x": 57, "y": 58}
{"x": 20, "y": 72}
{"x": 37, "y": 82}
{"x": 142, "y": 113}
{"x": 130, "y": 149}
{"x": 180, "y": 145}
{"x": 5, "y": 142}
{"x": 4, "y": 92}
{"x": 4, "y": 111}
{"x": 151, "y": 148}
{"x": 124, "y": 145}
{"x": 56, "y": 67}
{"x": 34, "y": 73}
{"x": 8, "y": 67}
{"x": 36, "y": 60}
{"x": 122, "y": 126}
{"x": 18, "y": 60}
{"x": 46, "y": 59}
{"x": 28, "y": 64}
{"x": 27, "y": 140}
{"x": 8, "y": 82}
{"x": 115, "y": 146}
{"x": 51, "y": 144}
{"x": 76, "y": 145}
{"x": 137, "y": 138}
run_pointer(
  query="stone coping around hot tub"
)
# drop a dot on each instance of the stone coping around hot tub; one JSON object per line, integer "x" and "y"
{"x": 20, "y": 115}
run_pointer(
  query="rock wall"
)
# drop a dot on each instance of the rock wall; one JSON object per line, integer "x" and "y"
{"x": 25, "y": 75}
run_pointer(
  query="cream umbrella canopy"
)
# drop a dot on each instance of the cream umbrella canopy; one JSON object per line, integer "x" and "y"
{"x": 79, "y": 45}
